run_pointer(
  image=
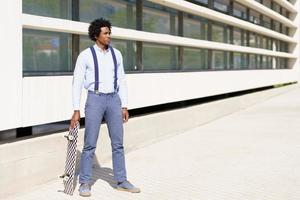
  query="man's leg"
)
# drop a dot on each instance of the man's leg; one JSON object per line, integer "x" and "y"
{"x": 113, "y": 117}
{"x": 94, "y": 110}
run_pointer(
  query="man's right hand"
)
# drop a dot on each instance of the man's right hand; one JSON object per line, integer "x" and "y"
{"x": 75, "y": 118}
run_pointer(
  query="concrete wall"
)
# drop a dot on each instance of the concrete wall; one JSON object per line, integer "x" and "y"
{"x": 11, "y": 64}
{"x": 27, "y": 163}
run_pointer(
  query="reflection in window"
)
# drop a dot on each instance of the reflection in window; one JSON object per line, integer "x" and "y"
{"x": 121, "y": 13}
{"x": 219, "y": 33}
{"x": 159, "y": 19}
{"x": 239, "y": 11}
{"x": 194, "y": 27}
{"x": 218, "y": 60}
{"x": 254, "y": 17}
{"x": 252, "y": 39}
{"x": 237, "y": 36}
{"x": 159, "y": 57}
{"x": 195, "y": 59}
{"x": 45, "y": 51}
{"x": 252, "y": 61}
{"x": 48, "y": 8}
{"x": 266, "y": 21}
{"x": 221, "y": 5}
{"x": 276, "y": 26}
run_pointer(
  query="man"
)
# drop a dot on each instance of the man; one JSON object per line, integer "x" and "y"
{"x": 100, "y": 70}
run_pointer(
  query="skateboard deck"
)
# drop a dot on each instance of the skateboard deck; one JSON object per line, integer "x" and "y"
{"x": 68, "y": 176}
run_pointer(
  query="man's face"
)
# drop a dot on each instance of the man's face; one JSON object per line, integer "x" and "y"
{"x": 104, "y": 36}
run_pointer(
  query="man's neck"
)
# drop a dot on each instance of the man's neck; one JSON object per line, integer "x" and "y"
{"x": 102, "y": 46}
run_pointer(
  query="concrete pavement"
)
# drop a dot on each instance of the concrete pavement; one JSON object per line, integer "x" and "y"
{"x": 253, "y": 154}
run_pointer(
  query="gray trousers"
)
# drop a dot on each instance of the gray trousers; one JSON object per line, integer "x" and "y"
{"x": 99, "y": 106}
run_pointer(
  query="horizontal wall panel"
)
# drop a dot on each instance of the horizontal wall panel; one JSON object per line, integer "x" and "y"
{"x": 48, "y": 99}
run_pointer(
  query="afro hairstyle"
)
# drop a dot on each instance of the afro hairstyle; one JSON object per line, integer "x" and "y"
{"x": 95, "y": 27}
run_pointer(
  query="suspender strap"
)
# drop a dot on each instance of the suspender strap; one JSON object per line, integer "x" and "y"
{"x": 96, "y": 69}
{"x": 116, "y": 67}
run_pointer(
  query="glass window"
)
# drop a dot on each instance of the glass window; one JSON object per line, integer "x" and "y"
{"x": 239, "y": 11}
{"x": 45, "y": 51}
{"x": 220, "y": 33}
{"x": 195, "y": 59}
{"x": 264, "y": 62}
{"x": 218, "y": 60}
{"x": 237, "y": 60}
{"x": 284, "y": 46}
{"x": 266, "y": 21}
{"x": 159, "y": 19}
{"x": 267, "y": 3}
{"x": 127, "y": 48}
{"x": 254, "y": 17}
{"x": 252, "y": 39}
{"x": 237, "y": 36}
{"x": 276, "y": 7}
{"x": 48, "y": 8}
{"x": 252, "y": 61}
{"x": 285, "y": 12}
{"x": 121, "y": 13}
{"x": 194, "y": 27}
{"x": 276, "y": 26}
{"x": 221, "y": 5}
{"x": 159, "y": 57}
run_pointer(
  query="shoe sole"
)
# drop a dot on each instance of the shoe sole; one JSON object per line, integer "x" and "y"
{"x": 128, "y": 190}
{"x": 85, "y": 195}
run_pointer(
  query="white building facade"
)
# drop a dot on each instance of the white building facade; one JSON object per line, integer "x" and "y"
{"x": 174, "y": 50}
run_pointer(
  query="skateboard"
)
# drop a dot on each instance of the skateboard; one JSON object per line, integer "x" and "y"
{"x": 68, "y": 176}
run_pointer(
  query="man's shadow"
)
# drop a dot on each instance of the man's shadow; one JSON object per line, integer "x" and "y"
{"x": 103, "y": 173}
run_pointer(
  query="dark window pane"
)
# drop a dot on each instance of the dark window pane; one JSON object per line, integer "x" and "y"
{"x": 239, "y": 11}
{"x": 45, "y": 51}
{"x": 159, "y": 57}
{"x": 252, "y": 39}
{"x": 237, "y": 60}
{"x": 218, "y": 60}
{"x": 195, "y": 59}
{"x": 266, "y": 21}
{"x": 194, "y": 27}
{"x": 267, "y": 3}
{"x": 220, "y": 33}
{"x": 48, "y": 8}
{"x": 276, "y": 26}
{"x": 252, "y": 61}
{"x": 237, "y": 36}
{"x": 159, "y": 19}
{"x": 221, "y": 5}
{"x": 121, "y": 13}
{"x": 254, "y": 17}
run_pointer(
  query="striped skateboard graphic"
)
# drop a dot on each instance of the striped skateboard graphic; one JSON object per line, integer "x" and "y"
{"x": 68, "y": 176}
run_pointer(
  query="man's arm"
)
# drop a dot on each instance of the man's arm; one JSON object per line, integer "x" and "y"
{"x": 123, "y": 93}
{"x": 78, "y": 79}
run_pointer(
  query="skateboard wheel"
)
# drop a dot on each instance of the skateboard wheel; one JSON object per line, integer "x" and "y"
{"x": 69, "y": 137}
{"x": 66, "y": 178}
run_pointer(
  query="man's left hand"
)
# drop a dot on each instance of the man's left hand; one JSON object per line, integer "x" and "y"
{"x": 125, "y": 115}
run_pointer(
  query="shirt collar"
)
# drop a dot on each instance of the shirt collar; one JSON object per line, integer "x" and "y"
{"x": 101, "y": 50}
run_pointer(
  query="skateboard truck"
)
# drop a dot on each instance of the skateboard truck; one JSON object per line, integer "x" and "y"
{"x": 69, "y": 137}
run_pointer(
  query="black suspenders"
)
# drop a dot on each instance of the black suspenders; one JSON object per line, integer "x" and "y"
{"x": 96, "y": 87}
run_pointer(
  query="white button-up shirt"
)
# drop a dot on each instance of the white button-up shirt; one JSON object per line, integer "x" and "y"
{"x": 84, "y": 74}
